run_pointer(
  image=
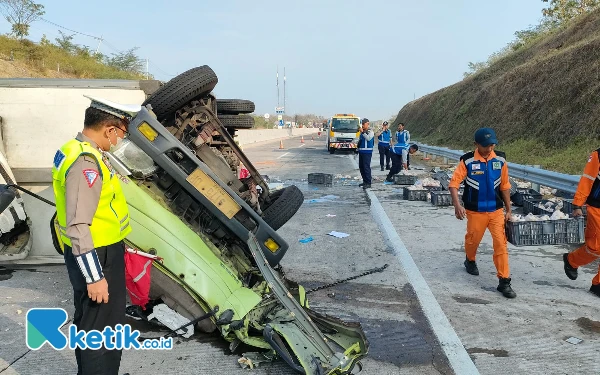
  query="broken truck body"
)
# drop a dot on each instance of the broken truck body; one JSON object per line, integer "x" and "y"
{"x": 218, "y": 242}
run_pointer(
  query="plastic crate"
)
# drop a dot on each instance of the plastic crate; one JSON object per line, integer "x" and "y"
{"x": 441, "y": 198}
{"x": 519, "y": 197}
{"x": 402, "y": 179}
{"x": 432, "y": 187}
{"x": 532, "y": 206}
{"x": 548, "y": 232}
{"x": 320, "y": 179}
{"x": 568, "y": 207}
{"x": 415, "y": 195}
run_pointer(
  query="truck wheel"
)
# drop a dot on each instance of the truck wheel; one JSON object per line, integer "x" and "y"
{"x": 234, "y": 106}
{"x": 181, "y": 90}
{"x": 287, "y": 203}
{"x": 237, "y": 122}
{"x": 332, "y": 151}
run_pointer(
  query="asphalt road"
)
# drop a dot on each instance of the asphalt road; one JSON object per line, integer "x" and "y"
{"x": 521, "y": 336}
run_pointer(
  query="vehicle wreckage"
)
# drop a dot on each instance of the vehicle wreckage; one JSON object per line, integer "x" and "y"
{"x": 214, "y": 230}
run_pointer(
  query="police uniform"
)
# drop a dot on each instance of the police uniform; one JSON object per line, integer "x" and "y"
{"x": 484, "y": 180}
{"x": 588, "y": 193}
{"x": 93, "y": 220}
{"x": 365, "y": 153}
{"x": 383, "y": 145}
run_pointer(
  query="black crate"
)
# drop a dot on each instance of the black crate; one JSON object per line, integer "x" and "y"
{"x": 415, "y": 195}
{"x": 320, "y": 179}
{"x": 532, "y": 206}
{"x": 547, "y": 232}
{"x": 402, "y": 179}
{"x": 432, "y": 187}
{"x": 518, "y": 198}
{"x": 568, "y": 207}
{"x": 441, "y": 198}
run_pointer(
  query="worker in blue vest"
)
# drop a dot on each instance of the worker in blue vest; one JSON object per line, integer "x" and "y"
{"x": 365, "y": 153}
{"x": 384, "y": 136}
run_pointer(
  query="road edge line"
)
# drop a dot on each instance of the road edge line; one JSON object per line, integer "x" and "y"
{"x": 459, "y": 359}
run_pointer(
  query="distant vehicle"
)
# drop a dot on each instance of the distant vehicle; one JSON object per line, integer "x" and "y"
{"x": 343, "y": 132}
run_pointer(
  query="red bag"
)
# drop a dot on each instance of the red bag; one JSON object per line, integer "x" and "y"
{"x": 137, "y": 275}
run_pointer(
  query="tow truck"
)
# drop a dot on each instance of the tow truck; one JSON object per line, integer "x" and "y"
{"x": 343, "y": 132}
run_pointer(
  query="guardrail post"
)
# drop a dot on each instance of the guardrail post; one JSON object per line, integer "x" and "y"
{"x": 445, "y": 160}
{"x": 535, "y": 186}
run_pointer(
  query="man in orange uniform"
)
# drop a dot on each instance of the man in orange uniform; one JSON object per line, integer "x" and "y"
{"x": 588, "y": 192}
{"x": 486, "y": 194}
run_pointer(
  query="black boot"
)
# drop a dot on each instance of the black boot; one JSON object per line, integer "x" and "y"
{"x": 471, "y": 267}
{"x": 382, "y": 168}
{"x": 595, "y": 289}
{"x": 389, "y": 179}
{"x": 388, "y": 167}
{"x": 505, "y": 289}
{"x": 569, "y": 271}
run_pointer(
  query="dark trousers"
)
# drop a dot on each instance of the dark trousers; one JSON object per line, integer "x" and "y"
{"x": 364, "y": 164}
{"x": 90, "y": 315}
{"x": 384, "y": 153}
{"x": 396, "y": 165}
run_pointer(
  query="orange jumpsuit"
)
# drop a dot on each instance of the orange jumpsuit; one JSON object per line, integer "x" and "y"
{"x": 478, "y": 222}
{"x": 588, "y": 192}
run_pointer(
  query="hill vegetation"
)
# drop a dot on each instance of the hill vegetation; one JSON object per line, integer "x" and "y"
{"x": 541, "y": 94}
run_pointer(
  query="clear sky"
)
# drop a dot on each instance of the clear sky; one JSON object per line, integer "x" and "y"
{"x": 365, "y": 57}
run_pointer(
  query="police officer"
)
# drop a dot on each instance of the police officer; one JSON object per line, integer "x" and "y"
{"x": 587, "y": 193}
{"x": 94, "y": 219}
{"x": 384, "y": 137}
{"x": 365, "y": 153}
{"x": 486, "y": 195}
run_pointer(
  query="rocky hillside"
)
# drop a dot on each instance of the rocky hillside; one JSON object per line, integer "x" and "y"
{"x": 543, "y": 101}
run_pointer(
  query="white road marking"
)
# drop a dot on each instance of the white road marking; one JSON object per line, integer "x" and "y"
{"x": 303, "y": 145}
{"x": 279, "y": 157}
{"x": 455, "y": 351}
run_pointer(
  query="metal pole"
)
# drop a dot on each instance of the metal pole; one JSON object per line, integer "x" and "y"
{"x": 98, "y": 48}
{"x": 284, "y": 79}
{"x": 277, "y": 85}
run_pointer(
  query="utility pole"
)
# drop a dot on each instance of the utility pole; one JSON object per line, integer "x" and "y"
{"x": 98, "y": 48}
{"x": 284, "y": 79}
{"x": 277, "y": 85}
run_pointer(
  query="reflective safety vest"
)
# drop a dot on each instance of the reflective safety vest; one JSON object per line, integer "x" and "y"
{"x": 111, "y": 221}
{"x": 366, "y": 146}
{"x": 402, "y": 140}
{"x": 385, "y": 137}
{"x": 482, "y": 184}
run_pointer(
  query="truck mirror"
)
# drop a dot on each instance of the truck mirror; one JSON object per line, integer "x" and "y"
{"x": 6, "y": 197}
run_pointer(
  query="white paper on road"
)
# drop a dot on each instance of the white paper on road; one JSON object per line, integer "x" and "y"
{"x": 338, "y": 234}
{"x": 171, "y": 319}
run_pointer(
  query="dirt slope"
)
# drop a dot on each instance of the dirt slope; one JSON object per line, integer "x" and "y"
{"x": 547, "y": 93}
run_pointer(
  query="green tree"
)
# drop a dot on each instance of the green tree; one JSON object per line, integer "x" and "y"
{"x": 127, "y": 61}
{"x": 65, "y": 42}
{"x": 20, "y": 14}
{"x": 565, "y": 10}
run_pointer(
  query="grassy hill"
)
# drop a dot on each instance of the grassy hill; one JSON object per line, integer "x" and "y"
{"x": 543, "y": 100}
{"x": 24, "y": 58}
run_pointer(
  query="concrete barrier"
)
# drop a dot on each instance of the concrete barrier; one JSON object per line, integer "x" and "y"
{"x": 249, "y": 136}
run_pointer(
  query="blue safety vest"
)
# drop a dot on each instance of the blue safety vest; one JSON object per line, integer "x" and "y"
{"x": 385, "y": 137}
{"x": 365, "y": 146}
{"x": 402, "y": 139}
{"x": 482, "y": 184}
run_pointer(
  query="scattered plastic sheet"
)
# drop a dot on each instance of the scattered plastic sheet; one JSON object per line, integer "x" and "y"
{"x": 338, "y": 234}
{"x": 330, "y": 215}
{"x": 574, "y": 340}
{"x": 305, "y": 240}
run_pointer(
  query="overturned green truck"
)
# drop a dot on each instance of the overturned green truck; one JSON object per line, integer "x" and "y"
{"x": 215, "y": 232}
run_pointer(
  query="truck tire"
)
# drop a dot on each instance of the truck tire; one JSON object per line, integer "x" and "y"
{"x": 234, "y": 106}
{"x": 237, "y": 121}
{"x": 181, "y": 90}
{"x": 287, "y": 203}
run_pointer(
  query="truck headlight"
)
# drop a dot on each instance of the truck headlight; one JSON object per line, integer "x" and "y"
{"x": 333, "y": 139}
{"x": 135, "y": 159}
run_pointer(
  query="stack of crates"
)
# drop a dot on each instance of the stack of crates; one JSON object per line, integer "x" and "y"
{"x": 546, "y": 232}
{"x": 519, "y": 197}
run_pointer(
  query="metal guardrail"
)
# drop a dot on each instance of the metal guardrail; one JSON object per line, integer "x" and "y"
{"x": 555, "y": 180}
